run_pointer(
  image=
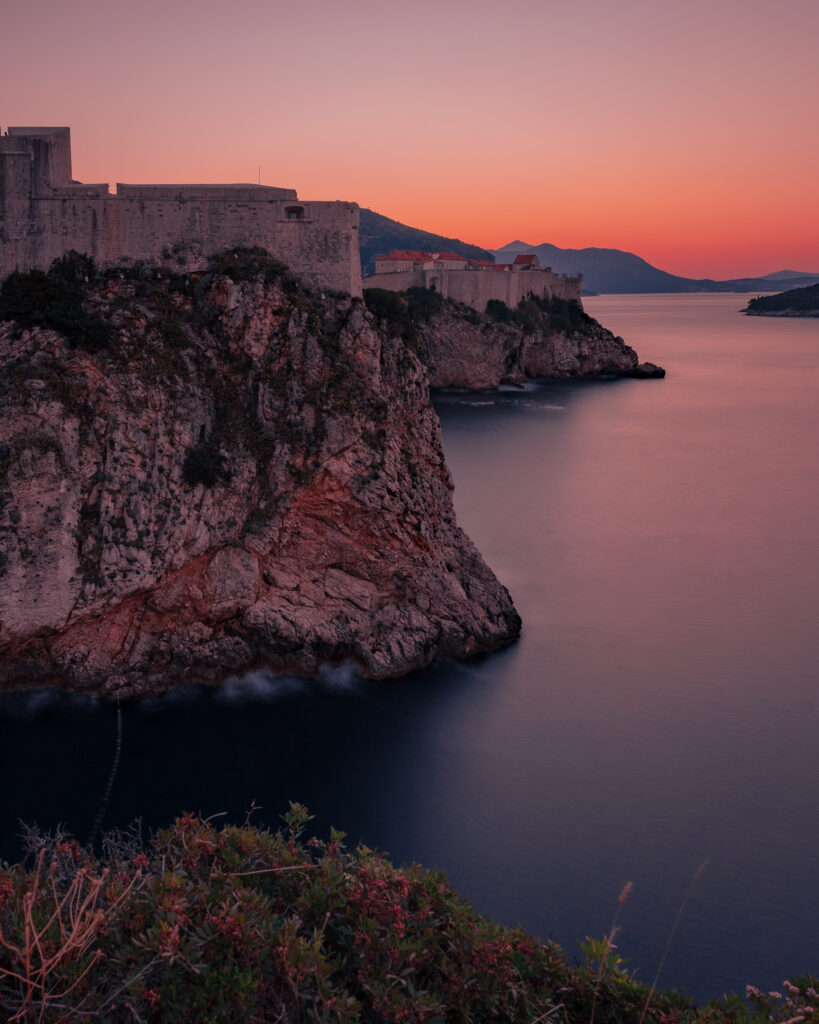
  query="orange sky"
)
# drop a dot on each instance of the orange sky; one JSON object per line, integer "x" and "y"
{"x": 684, "y": 132}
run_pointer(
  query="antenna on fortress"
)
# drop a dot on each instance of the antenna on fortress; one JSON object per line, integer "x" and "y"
{"x": 260, "y": 174}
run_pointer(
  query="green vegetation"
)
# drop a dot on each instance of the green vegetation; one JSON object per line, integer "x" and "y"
{"x": 205, "y": 464}
{"x": 236, "y": 924}
{"x": 800, "y": 300}
{"x": 403, "y": 311}
{"x": 56, "y": 301}
{"x": 534, "y": 313}
{"x": 423, "y": 303}
{"x": 391, "y": 308}
{"x": 249, "y": 263}
{"x": 498, "y": 310}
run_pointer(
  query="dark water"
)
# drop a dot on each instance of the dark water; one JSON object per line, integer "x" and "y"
{"x": 660, "y": 711}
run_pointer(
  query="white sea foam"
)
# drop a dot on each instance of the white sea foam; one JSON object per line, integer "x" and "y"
{"x": 340, "y": 677}
{"x": 259, "y": 685}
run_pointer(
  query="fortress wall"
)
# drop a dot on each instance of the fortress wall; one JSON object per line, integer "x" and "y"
{"x": 43, "y": 215}
{"x": 15, "y": 189}
{"x": 51, "y": 152}
{"x": 569, "y": 288}
{"x": 323, "y": 248}
{"x": 53, "y": 226}
{"x": 394, "y": 266}
{"x": 476, "y": 287}
{"x": 186, "y": 193}
{"x": 398, "y": 281}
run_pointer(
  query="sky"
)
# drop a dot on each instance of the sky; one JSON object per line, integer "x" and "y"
{"x": 683, "y": 132}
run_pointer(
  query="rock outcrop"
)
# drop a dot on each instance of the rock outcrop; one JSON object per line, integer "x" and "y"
{"x": 542, "y": 338}
{"x": 222, "y": 473}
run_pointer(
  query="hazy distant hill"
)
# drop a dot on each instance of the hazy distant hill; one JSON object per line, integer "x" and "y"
{"x": 379, "y": 235}
{"x": 792, "y": 275}
{"x": 612, "y": 270}
{"x": 796, "y": 302}
{"x": 604, "y": 270}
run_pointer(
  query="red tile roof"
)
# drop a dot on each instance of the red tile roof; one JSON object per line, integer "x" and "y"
{"x": 528, "y": 257}
{"x": 405, "y": 254}
{"x": 420, "y": 257}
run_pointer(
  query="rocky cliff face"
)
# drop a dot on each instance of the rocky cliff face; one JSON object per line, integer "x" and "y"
{"x": 463, "y": 349}
{"x": 224, "y": 473}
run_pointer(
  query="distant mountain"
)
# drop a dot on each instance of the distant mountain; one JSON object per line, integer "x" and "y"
{"x": 604, "y": 270}
{"x": 378, "y": 235}
{"x": 792, "y": 275}
{"x": 612, "y": 271}
{"x": 795, "y": 302}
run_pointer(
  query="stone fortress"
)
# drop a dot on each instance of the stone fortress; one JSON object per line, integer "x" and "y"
{"x": 44, "y": 213}
{"x": 473, "y": 282}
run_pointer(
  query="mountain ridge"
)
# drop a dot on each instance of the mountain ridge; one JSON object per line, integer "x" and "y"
{"x": 603, "y": 269}
{"x": 619, "y": 271}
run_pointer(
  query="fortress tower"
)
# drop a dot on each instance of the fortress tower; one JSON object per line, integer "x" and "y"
{"x": 44, "y": 213}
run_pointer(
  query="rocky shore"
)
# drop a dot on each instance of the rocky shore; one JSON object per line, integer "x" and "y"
{"x": 479, "y": 351}
{"x": 201, "y": 474}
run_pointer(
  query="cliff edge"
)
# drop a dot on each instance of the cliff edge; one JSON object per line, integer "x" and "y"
{"x": 201, "y": 475}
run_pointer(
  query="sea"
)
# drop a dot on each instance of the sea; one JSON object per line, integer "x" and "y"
{"x": 657, "y": 722}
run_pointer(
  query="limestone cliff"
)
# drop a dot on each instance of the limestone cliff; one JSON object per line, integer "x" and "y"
{"x": 208, "y": 475}
{"x": 541, "y": 338}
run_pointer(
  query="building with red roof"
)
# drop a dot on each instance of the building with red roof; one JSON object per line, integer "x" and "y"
{"x": 473, "y": 282}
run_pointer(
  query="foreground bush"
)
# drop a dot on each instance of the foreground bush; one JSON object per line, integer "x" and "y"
{"x": 55, "y": 300}
{"x": 236, "y": 924}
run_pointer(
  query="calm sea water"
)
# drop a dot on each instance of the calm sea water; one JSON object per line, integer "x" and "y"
{"x": 660, "y": 711}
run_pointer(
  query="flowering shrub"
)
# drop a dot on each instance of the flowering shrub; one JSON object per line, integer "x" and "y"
{"x": 236, "y": 924}
{"x": 798, "y": 1001}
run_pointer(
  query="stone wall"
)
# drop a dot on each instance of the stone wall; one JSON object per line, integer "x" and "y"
{"x": 476, "y": 287}
{"x": 43, "y": 215}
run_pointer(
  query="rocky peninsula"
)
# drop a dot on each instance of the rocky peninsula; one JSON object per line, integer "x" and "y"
{"x": 542, "y": 338}
{"x": 795, "y": 302}
{"x": 201, "y": 473}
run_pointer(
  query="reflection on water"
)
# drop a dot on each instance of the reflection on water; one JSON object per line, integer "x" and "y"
{"x": 660, "y": 709}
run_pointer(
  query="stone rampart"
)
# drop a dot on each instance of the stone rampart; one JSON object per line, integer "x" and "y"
{"x": 475, "y": 287}
{"x": 43, "y": 214}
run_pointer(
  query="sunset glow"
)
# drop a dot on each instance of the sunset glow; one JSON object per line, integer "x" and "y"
{"x": 682, "y": 132}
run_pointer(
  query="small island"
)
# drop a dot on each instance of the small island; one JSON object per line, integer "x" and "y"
{"x": 796, "y": 302}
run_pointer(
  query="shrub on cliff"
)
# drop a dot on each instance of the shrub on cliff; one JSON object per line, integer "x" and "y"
{"x": 423, "y": 303}
{"x": 56, "y": 301}
{"x": 564, "y": 315}
{"x": 245, "y": 263}
{"x": 205, "y": 464}
{"x": 390, "y": 308}
{"x": 499, "y": 311}
{"x": 237, "y": 924}
{"x": 402, "y": 311}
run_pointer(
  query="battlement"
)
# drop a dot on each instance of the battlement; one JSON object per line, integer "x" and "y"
{"x": 183, "y": 193}
{"x": 44, "y": 213}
